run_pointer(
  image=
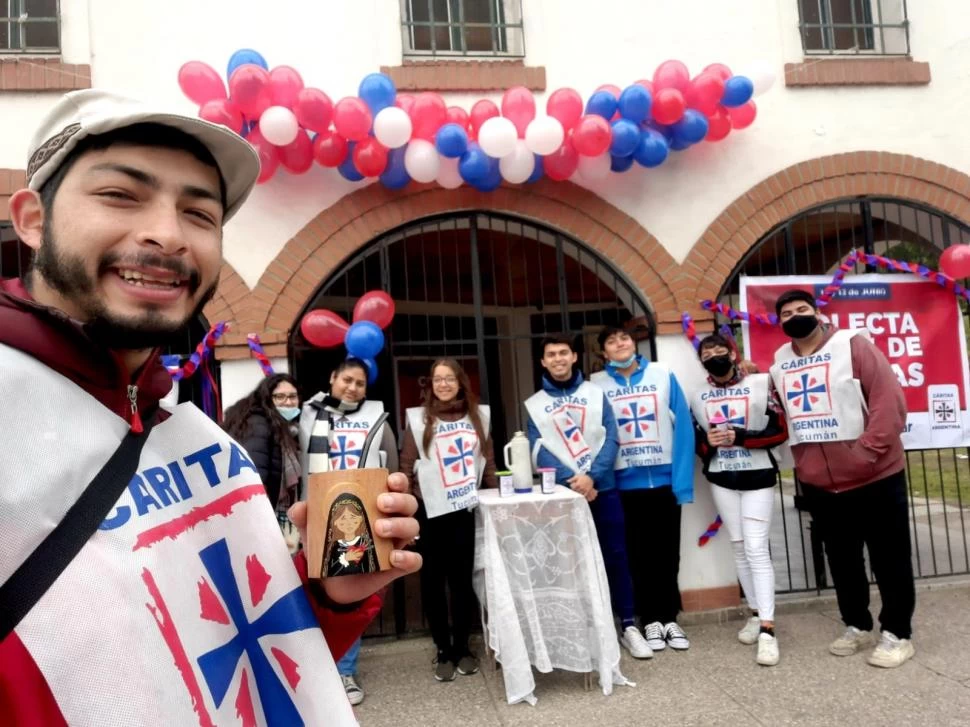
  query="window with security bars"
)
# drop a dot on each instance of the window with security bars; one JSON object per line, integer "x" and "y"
{"x": 30, "y": 26}
{"x": 462, "y": 28}
{"x": 848, "y": 27}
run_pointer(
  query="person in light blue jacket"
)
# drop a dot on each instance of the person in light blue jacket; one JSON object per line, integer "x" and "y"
{"x": 654, "y": 475}
{"x": 572, "y": 429}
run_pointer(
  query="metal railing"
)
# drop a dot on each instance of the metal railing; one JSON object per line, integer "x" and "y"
{"x": 30, "y": 27}
{"x": 462, "y": 28}
{"x": 854, "y": 27}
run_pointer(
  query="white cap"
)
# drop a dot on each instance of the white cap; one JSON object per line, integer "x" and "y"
{"x": 93, "y": 111}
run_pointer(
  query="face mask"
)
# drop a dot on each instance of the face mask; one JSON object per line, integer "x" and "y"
{"x": 623, "y": 364}
{"x": 718, "y": 365}
{"x": 800, "y": 326}
{"x": 289, "y": 412}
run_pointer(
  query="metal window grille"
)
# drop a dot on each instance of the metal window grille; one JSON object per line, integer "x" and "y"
{"x": 482, "y": 288}
{"x": 854, "y": 27}
{"x": 462, "y": 28}
{"x": 30, "y": 26}
{"x": 814, "y": 243}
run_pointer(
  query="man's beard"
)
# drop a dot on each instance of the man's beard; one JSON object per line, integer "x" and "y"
{"x": 66, "y": 274}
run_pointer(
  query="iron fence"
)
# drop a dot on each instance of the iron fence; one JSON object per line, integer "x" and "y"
{"x": 462, "y": 28}
{"x": 854, "y": 27}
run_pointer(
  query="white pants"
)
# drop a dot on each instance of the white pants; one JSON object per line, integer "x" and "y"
{"x": 747, "y": 518}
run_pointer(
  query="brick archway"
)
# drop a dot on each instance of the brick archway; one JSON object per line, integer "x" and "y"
{"x": 358, "y": 218}
{"x": 800, "y": 187}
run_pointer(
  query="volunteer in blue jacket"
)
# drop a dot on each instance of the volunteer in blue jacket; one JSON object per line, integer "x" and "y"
{"x": 571, "y": 428}
{"x": 654, "y": 475}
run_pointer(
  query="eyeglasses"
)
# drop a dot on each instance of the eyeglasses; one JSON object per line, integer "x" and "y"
{"x": 444, "y": 380}
{"x": 285, "y": 398}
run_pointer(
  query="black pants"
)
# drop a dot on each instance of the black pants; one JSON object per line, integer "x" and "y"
{"x": 877, "y": 516}
{"x": 447, "y": 544}
{"x": 653, "y": 548}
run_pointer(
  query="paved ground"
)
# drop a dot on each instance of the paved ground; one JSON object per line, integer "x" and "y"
{"x": 716, "y": 683}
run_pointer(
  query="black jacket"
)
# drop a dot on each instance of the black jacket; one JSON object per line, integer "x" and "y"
{"x": 266, "y": 453}
{"x": 771, "y": 436}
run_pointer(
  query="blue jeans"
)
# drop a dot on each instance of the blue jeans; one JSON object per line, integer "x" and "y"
{"x": 607, "y": 513}
{"x": 347, "y": 666}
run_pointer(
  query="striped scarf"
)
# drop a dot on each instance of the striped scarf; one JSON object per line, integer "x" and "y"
{"x": 318, "y": 453}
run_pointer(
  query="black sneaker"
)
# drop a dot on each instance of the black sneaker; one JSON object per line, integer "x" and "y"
{"x": 444, "y": 670}
{"x": 467, "y": 664}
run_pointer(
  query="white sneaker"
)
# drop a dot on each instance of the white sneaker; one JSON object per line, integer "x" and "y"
{"x": 676, "y": 637}
{"x": 749, "y": 634}
{"x": 767, "y": 650}
{"x": 891, "y": 651}
{"x": 354, "y": 693}
{"x": 851, "y": 641}
{"x": 634, "y": 642}
{"x": 655, "y": 636}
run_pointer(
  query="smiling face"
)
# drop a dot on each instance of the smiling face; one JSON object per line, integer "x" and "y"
{"x": 558, "y": 359}
{"x": 348, "y": 523}
{"x": 444, "y": 383}
{"x": 349, "y": 384}
{"x": 619, "y": 347}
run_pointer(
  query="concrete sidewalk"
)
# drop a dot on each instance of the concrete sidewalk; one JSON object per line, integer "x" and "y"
{"x": 715, "y": 683}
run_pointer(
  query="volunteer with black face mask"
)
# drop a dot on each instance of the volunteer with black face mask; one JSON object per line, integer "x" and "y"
{"x": 846, "y": 411}
{"x": 739, "y": 420}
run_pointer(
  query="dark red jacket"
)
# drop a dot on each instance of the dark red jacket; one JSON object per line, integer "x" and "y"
{"x": 60, "y": 343}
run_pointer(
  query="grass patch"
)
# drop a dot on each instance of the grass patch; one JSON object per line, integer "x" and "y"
{"x": 940, "y": 474}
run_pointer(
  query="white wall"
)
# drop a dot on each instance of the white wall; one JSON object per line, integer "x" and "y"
{"x": 241, "y": 376}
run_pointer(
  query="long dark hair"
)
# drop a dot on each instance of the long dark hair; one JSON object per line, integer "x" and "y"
{"x": 260, "y": 401}
{"x": 464, "y": 393}
{"x": 350, "y": 501}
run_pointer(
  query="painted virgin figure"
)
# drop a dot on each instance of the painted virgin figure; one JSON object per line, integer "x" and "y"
{"x": 350, "y": 545}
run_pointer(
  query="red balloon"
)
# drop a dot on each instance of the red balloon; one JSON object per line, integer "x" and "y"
{"x": 323, "y": 328}
{"x": 370, "y": 157}
{"x": 482, "y": 111}
{"x": 313, "y": 109}
{"x": 404, "y": 101}
{"x": 285, "y": 84}
{"x": 222, "y": 111}
{"x": 565, "y": 105}
{"x": 269, "y": 156}
{"x": 519, "y": 107}
{"x": 743, "y": 116}
{"x": 668, "y": 106}
{"x": 457, "y": 115}
{"x": 200, "y": 82}
{"x": 592, "y": 135}
{"x": 611, "y": 88}
{"x": 562, "y": 163}
{"x": 955, "y": 261}
{"x": 671, "y": 74}
{"x": 719, "y": 70}
{"x": 297, "y": 156}
{"x": 704, "y": 93}
{"x": 718, "y": 125}
{"x": 352, "y": 119}
{"x": 375, "y": 306}
{"x": 330, "y": 149}
{"x": 646, "y": 84}
{"x": 249, "y": 90}
{"x": 428, "y": 114}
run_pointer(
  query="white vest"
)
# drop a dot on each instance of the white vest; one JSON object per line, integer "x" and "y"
{"x": 822, "y": 401}
{"x": 743, "y": 405}
{"x": 449, "y": 475}
{"x": 349, "y": 433}
{"x": 570, "y": 427}
{"x": 644, "y": 422}
{"x": 190, "y": 559}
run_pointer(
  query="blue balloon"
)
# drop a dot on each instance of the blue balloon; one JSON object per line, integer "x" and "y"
{"x": 371, "y": 370}
{"x": 602, "y": 103}
{"x": 635, "y": 103}
{"x": 738, "y": 90}
{"x": 621, "y": 164}
{"x": 652, "y": 150}
{"x": 364, "y": 339}
{"x": 692, "y": 128}
{"x": 493, "y": 178}
{"x": 347, "y": 169}
{"x": 395, "y": 175}
{"x": 242, "y": 57}
{"x": 626, "y": 136}
{"x": 680, "y": 144}
{"x": 474, "y": 165}
{"x": 377, "y": 91}
{"x": 537, "y": 171}
{"x": 665, "y": 131}
{"x": 451, "y": 141}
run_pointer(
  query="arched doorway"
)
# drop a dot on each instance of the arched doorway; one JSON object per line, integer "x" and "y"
{"x": 815, "y": 242}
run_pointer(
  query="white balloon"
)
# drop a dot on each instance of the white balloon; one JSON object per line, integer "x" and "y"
{"x": 762, "y": 76}
{"x": 519, "y": 165}
{"x": 497, "y": 137}
{"x": 448, "y": 176}
{"x": 544, "y": 135}
{"x": 421, "y": 161}
{"x": 279, "y": 126}
{"x": 392, "y": 127}
{"x": 594, "y": 168}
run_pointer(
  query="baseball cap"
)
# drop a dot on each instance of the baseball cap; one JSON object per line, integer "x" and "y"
{"x": 91, "y": 112}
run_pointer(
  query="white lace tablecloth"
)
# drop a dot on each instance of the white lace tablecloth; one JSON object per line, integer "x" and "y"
{"x": 540, "y": 579}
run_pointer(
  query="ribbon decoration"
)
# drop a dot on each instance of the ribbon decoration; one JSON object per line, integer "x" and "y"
{"x": 710, "y": 532}
{"x": 202, "y": 351}
{"x": 256, "y": 349}
{"x": 690, "y": 330}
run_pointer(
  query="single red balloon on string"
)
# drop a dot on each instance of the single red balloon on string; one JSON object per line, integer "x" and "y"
{"x": 519, "y": 107}
{"x": 668, "y": 106}
{"x": 323, "y": 328}
{"x": 482, "y": 111}
{"x": 330, "y": 149}
{"x": 375, "y": 306}
{"x": 743, "y": 116}
{"x": 562, "y": 163}
{"x": 428, "y": 114}
{"x": 671, "y": 74}
{"x": 370, "y": 157}
{"x": 352, "y": 118}
{"x": 592, "y": 135}
{"x": 566, "y": 106}
{"x": 297, "y": 156}
{"x": 955, "y": 261}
